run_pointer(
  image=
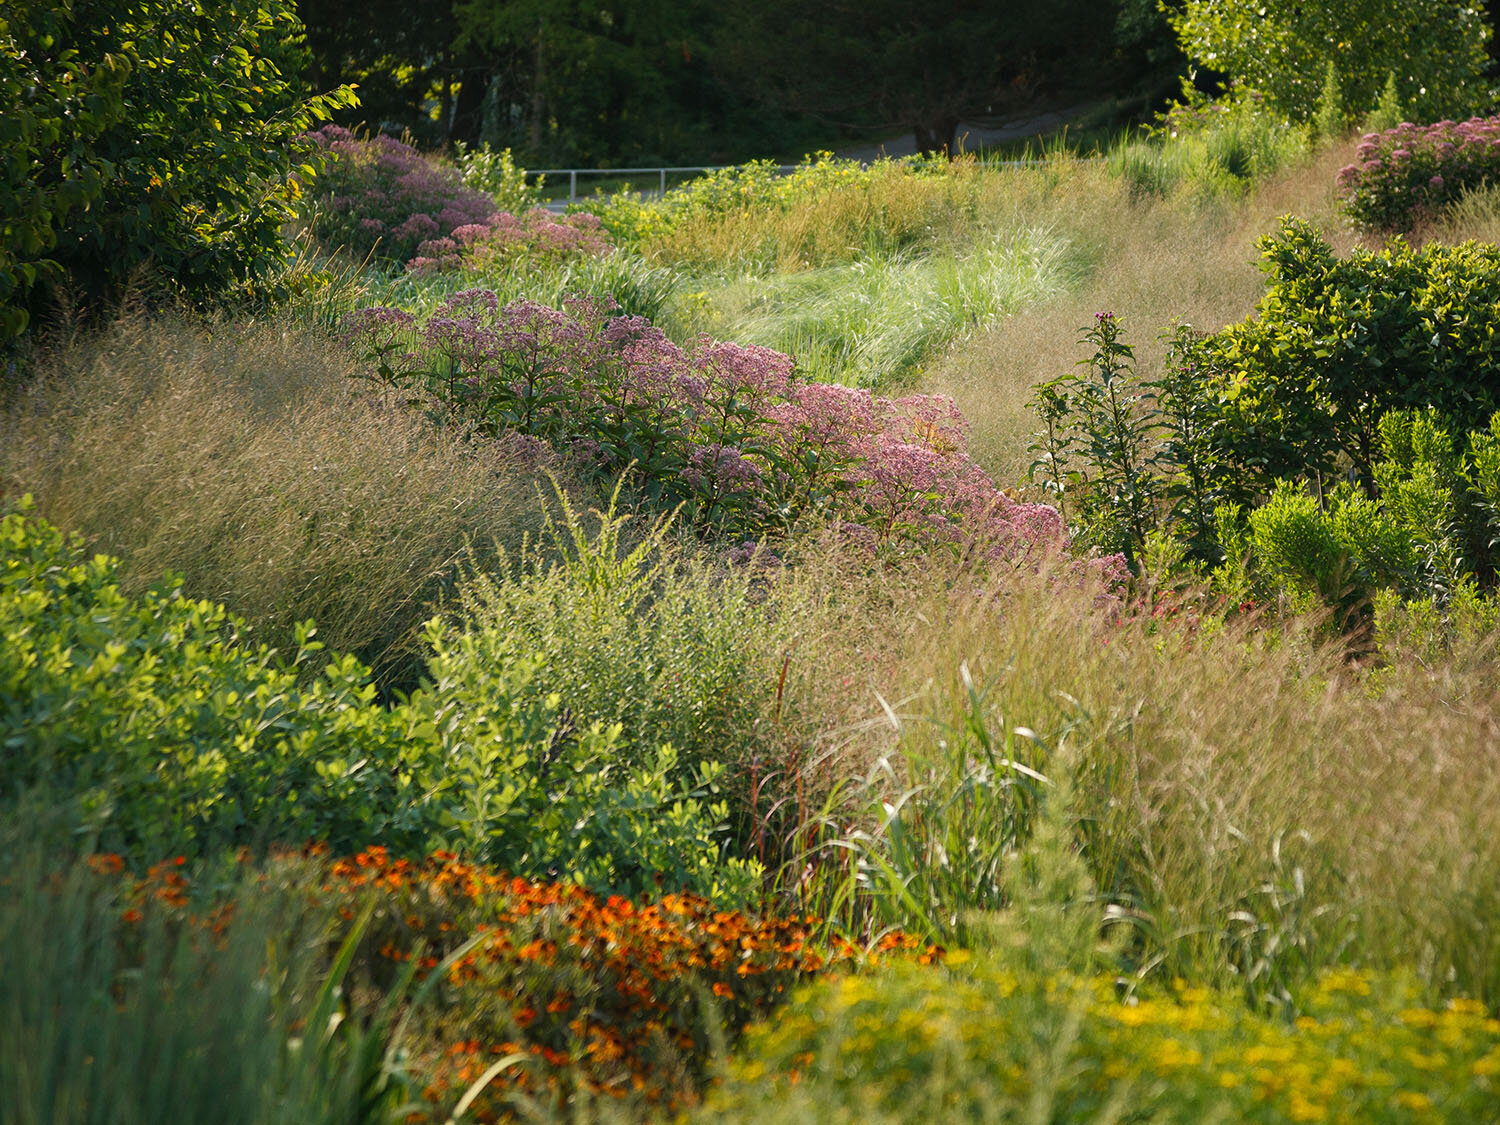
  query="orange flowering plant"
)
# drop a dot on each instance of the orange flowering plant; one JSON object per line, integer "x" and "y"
{"x": 563, "y": 991}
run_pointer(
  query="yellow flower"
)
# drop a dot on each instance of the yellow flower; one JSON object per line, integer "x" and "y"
{"x": 1411, "y": 1099}
{"x": 1488, "y": 1065}
{"x": 1300, "y": 1109}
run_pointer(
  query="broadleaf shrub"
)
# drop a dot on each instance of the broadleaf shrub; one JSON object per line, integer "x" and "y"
{"x": 497, "y": 175}
{"x": 166, "y": 730}
{"x": 152, "y": 133}
{"x": 1409, "y": 173}
{"x": 1337, "y": 444}
{"x": 1300, "y": 387}
{"x": 158, "y": 729}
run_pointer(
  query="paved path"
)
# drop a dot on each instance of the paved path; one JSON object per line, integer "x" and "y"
{"x": 971, "y": 136}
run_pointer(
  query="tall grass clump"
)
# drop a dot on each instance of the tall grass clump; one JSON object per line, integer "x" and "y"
{"x": 112, "y": 1011}
{"x": 636, "y": 286}
{"x": 873, "y": 320}
{"x": 245, "y": 459}
{"x": 1341, "y": 820}
{"x": 827, "y": 211}
{"x": 1222, "y": 156}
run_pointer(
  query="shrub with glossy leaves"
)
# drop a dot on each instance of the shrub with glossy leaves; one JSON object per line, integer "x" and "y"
{"x": 1299, "y": 388}
{"x": 146, "y": 133}
{"x": 166, "y": 730}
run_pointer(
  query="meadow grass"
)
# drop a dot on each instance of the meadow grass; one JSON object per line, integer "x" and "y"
{"x": 1252, "y": 805}
{"x": 1153, "y": 262}
{"x": 246, "y": 459}
{"x": 875, "y": 320}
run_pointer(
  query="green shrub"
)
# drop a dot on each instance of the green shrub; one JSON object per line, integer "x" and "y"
{"x": 1283, "y": 48}
{"x": 145, "y": 133}
{"x": 497, "y": 175}
{"x": 629, "y": 633}
{"x": 165, "y": 731}
{"x": 529, "y": 786}
{"x": 632, "y": 283}
{"x": 160, "y": 730}
{"x": 1335, "y": 344}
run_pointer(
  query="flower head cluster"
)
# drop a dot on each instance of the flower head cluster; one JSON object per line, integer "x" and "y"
{"x": 729, "y": 432}
{"x": 1361, "y": 1049}
{"x": 1411, "y": 171}
{"x": 503, "y": 239}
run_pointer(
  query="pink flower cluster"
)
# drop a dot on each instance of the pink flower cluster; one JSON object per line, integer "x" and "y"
{"x": 382, "y": 196}
{"x": 501, "y": 240}
{"x": 1408, "y": 173}
{"x": 728, "y": 432}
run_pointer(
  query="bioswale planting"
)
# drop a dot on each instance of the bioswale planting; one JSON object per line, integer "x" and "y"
{"x": 933, "y": 640}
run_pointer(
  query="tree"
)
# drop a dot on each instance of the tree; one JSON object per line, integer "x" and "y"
{"x": 593, "y": 81}
{"x": 1434, "y": 48}
{"x": 145, "y": 132}
{"x": 893, "y": 64}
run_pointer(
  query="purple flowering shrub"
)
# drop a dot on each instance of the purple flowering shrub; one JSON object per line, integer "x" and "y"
{"x": 727, "y": 432}
{"x": 1410, "y": 172}
{"x": 382, "y": 196}
{"x": 537, "y": 236}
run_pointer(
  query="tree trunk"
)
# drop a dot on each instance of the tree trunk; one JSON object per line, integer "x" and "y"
{"x": 938, "y": 135}
{"x": 538, "y": 95}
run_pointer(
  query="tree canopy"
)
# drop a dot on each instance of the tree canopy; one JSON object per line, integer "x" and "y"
{"x": 1434, "y": 48}
{"x": 640, "y": 81}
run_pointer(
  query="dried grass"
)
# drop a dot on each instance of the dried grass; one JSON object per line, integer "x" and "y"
{"x": 1155, "y": 263}
{"x": 242, "y": 457}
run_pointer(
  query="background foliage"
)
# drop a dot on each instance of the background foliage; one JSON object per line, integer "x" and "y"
{"x": 139, "y": 135}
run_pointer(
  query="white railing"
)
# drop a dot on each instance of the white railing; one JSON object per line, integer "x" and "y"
{"x": 661, "y": 173}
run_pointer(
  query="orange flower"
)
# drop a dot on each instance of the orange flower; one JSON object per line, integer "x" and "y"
{"x": 107, "y": 864}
